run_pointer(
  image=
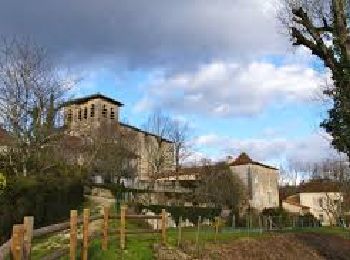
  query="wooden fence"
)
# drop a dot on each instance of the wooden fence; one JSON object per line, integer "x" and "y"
{"x": 19, "y": 246}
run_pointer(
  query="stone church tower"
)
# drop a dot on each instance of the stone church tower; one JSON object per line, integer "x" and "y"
{"x": 97, "y": 115}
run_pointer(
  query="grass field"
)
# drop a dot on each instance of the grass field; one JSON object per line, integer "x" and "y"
{"x": 140, "y": 246}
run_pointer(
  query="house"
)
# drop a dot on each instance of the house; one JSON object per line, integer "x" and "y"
{"x": 292, "y": 204}
{"x": 321, "y": 198}
{"x": 98, "y": 115}
{"x": 324, "y": 206}
{"x": 261, "y": 181}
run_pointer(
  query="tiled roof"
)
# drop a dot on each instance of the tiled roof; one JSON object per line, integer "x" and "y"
{"x": 295, "y": 200}
{"x": 244, "y": 159}
{"x": 143, "y": 131}
{"x": 319, "y": 186}
{"x": 93, "y": 96}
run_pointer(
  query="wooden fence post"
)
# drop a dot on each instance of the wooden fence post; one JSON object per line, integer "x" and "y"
{"x": 122, "y": 227}
{"x": 105, "y": 228}
{"x": 260, "y": 224}
{"x": 28, "y": 223}
{"x": 179, "y": 232}
{"x": 164, "y": 226}
{"x": 86, "y": 217}
{"x": 270, "y": 220}
{"x": 216, "y": 228}
{"x": 233, "y": 221}
{"x": 198, "y": 230}
{"x": 17, "y": 242}
{"x": 73, "y": 234}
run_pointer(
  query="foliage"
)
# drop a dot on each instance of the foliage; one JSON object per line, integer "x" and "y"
{"x": 323, "y": 27}
{"x": 158, "y": 148}
{"x": 274, "y": 212}
{"x": 220, "y": 186}
{"x": 31, "y": 93}
{"x": 113, "y": 156}
{"x": 48, "y": 198}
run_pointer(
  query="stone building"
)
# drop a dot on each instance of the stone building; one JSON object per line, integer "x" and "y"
{"x": 321, "y": 197}
{"x": 98, "y": 116}
{"x": 260, "y": 180}
{"x": 324, "y": 206}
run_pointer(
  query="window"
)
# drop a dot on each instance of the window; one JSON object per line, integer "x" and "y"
{"x": 69, "y": 115}
{"x": 112, "y": 113}
{"x": 104, "y": 111}
{"x": 85, "y": 112}
{"x": 269, "y": 197}
{"x": 320, "y": 217}
{"x": 92, "y": 110}
{"x": 320, "y": 202}
{"x": 79, "y": 114}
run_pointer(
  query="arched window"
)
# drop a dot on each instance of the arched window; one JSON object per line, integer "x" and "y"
{"x": 79, "y": 114}
{"x": 104, "y": 111}
{"x": 92, "y": 110}
{"x": 69, "y": 115}
{"x": 112, "y": 113}
{"x": 85, "y": 112}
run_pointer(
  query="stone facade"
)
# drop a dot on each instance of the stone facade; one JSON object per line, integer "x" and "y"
{"x": 260, "y": 180}
{"x": 323, "y": 205}
{"x": 96, "y": 115}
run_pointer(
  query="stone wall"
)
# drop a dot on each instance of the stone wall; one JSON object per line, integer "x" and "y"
{"x": 261, "y": 183}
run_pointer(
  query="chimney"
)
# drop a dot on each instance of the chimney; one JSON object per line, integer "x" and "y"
{"x": 229, "y": 159}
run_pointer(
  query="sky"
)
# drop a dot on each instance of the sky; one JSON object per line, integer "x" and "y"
{"x": 226, "y": 67}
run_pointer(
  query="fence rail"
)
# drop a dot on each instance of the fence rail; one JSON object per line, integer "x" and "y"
{"x": 19, "y": 246}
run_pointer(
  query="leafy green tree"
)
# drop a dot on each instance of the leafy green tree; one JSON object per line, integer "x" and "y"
{"x": 323, "y": 26}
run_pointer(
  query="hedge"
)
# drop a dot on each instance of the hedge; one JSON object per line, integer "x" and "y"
{"x": 49, "y": 199}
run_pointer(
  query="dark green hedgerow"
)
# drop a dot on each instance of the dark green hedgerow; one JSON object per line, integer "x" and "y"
{"x": 49, "y": 199}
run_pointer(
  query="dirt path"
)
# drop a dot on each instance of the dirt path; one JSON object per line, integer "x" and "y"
{"x": 286, "y": 246}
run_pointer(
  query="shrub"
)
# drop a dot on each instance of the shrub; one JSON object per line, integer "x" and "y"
{"x": 49, "y": 199}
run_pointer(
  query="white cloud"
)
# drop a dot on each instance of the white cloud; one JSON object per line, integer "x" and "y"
{"x": 231, "y": 89}
{"x": 312, "y": 148}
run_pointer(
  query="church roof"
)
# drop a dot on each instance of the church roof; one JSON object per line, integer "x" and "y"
{"x": 144, "y": 132}
{"x": 244, "y": 159}
{"x": 85, "y": 99}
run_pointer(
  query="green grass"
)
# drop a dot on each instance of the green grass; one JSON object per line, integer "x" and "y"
{"x": 140, "y": 247}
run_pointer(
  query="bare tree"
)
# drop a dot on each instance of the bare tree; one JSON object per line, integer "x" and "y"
{"x": 180, "y": 135}
{"x": 331, "y": 204}
{"x": 218, "y": 185}
{"x": 115, "y": 156}
{"x": 157, "y": 144}
{"x": 31, "y": 92}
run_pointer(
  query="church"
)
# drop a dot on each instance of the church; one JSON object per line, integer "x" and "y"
{"x": 97, "y": 115}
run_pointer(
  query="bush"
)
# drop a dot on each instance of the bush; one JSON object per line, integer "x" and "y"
{"x": 49, "y": 199}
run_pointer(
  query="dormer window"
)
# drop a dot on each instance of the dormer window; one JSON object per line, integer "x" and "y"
{"x": 112, "y": 113}
{"x": 85, "y": 112}
{"x": 104, "y": 111}
{"x": 79, "y": 114}
{"x": 92, "y": 110}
